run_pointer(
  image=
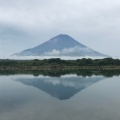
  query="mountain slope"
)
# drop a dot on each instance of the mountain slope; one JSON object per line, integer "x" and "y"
{"x": 61, "y": 45}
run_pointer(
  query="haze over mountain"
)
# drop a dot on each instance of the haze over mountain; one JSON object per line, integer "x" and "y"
{"x": 61, "y": 45}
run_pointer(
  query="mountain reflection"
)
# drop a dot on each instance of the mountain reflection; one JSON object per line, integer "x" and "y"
{"x": 63, "y": 87}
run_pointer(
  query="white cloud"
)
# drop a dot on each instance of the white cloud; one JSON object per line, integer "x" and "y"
{"x": 67, "y": 51}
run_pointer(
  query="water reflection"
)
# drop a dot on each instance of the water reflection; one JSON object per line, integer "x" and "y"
{"x": 26, "y": 97}
{"x": 58, "y": 73}
{"x": 63, "y": 87}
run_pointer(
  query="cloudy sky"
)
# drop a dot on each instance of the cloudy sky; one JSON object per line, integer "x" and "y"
{"x": 27, "y": 23}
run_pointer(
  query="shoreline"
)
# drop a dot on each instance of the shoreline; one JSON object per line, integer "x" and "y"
{"x": 55, "y": 67}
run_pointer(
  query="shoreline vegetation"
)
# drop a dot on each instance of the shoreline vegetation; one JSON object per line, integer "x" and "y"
{"x": 58, "y": 64}
{"x": 57, "y": 67}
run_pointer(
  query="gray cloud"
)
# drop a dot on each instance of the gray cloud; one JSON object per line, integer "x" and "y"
{"x": 94, "y": 23}
{"x": 8, "y": 32}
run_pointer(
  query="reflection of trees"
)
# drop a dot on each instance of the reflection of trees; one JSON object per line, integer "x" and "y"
{"x": 58, "y": 73}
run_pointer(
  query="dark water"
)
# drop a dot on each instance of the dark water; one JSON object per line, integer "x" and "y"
{"x": 69, "y": 97}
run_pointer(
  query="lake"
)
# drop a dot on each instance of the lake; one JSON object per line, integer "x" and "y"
{"x": 64, "y": 97}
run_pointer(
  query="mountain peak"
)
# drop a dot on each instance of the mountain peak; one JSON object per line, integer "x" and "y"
{"x": 62, "y": 35}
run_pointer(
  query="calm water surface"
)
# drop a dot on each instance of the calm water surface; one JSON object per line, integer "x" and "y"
{"x": 69, "y": 97}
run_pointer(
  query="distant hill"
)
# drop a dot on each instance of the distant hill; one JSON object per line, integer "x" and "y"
{"x": 61, "y": 45}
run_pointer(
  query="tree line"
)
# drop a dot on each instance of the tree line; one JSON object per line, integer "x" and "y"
{"x": 58, "y": 61}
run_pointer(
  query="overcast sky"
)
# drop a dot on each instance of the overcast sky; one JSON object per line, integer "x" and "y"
{"x": 27, "y": 23}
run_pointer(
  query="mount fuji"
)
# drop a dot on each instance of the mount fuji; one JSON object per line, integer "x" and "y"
{"x": 61, "y": 45}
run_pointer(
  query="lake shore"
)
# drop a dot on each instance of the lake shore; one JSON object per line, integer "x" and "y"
{"x": 57, "y": 67}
